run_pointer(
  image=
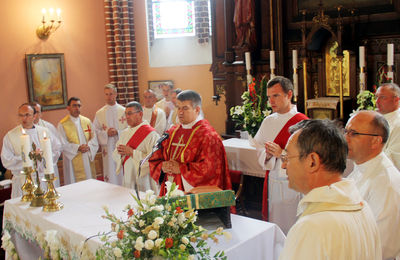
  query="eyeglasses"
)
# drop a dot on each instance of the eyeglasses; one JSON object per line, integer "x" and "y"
{"x": 285, "y": 158}
{"x": 352, "y": 133}
{"x": 25, "y": 115}
{"x": 131, "y": 113}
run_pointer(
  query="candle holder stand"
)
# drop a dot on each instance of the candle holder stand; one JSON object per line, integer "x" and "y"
{"x": 38, "y": 199}
{"x": 51, "y": 196}
{"x": 28, "y": 187}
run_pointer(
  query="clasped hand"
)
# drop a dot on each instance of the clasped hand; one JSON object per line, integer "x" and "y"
{"x": 171, "y": 166}
{"x": 83, "y": 148}
{"x": 125, "y": 150}
{"x": 272, "y": 149}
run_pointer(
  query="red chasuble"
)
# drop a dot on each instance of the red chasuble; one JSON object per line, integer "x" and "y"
{"x": 138, "y": 137}
{"x": 201, "y": 155}
{"x": 281, "y": 139}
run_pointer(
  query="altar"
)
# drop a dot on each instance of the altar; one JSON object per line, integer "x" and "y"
{"x": 78, "y": 224}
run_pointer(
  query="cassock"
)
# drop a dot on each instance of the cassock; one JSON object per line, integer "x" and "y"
{"x": 279, "y": 202}
{"x": 378, "y": 181}
{"x": 392, "y": 146}
{"x": 165, "y": 105}
{"x": 11, "y": 155}
{"x": 75, "y": 131}
{"x": 199, "y": 150}
{"x": 109, "y": 117}
{"x": 55, "y": 142}
{"x": 335, "y": 223}
{"x": 141, "y": 138}
{"x": 173, "y": 118}
{"x": 156, "y": 118}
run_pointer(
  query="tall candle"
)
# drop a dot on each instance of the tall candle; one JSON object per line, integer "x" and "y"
{"x": 26, "y": 149}
{"x": 272, "y": 59}
{"x": 296, "y": 84}
{"x": 294, "y": 54}
{"x": 248, "y": 60}
{"x": 390, "y": 53}
{"x": 362, "y": 56}
{"x": 45, "y": 144}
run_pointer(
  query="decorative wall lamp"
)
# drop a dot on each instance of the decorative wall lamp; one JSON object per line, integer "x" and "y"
{"x": 50, "y": 26}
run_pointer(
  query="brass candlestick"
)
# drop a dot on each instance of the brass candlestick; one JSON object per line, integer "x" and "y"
{"x": 28, "y": 187}
{"x": 51, "y": 195}
{"x": 38, "y": 200}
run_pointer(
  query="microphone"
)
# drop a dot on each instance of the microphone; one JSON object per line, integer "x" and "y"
{"x": 159, "y": 141}
{"x": 156, "y": 146}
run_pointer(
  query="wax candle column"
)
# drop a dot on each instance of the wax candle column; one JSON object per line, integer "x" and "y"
{"x": 295, "y": 76}
{"x": 272, "y": 63}
{"x": 362, "y": 65}
{"x": 248, "y": 66}
{"x": 26, "y": 149}
{"x": 45, "y": 144}
{"x": 390, "y": 60}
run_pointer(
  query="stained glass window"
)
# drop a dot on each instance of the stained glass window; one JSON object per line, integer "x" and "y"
{"x": 173, "y": 18}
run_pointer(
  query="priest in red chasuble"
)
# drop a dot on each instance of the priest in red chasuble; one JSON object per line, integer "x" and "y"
{"x": 193, "y": 155}
{"x": 279, "y": 202}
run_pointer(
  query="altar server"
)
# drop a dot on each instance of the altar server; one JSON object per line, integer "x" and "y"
{"x": 334, "y": 221}
{"x": 135, "y": 143}
{"x": 270, "y": 140}
{"x": 152, "y": 114}
{"x": 108, "y": 123}
{"x": 79, "y": 144}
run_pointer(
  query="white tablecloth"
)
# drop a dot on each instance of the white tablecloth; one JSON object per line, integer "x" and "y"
{"x": 243, "y": 157}
{"x": 81, "y": 218}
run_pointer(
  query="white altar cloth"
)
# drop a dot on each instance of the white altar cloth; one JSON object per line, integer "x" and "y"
{"x": 81, "y": 219}
{"x": 243, "y": 157}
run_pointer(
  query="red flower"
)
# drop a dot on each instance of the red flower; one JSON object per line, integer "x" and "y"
{"x": 130, "y": 212}
{"x": 136, "y": 253}
{"x": 169, "y": 242}
{"x": 120, "y": 234}
{"x": 178, "y": 210}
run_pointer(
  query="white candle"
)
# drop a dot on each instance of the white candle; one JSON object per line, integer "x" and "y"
{"x": 294, "y": 54}
{"x": 58, "y": 11}
{"x": 390, "y": 53}
{"x": 43, "y": 15}
{"x": 272, "y": 59}
{"x": 362, "y": 81}
{"x": 26, "y": 149}
{"x": 45, "y": 144}
{"x": 296, "y": 84}
{"x": 362, "y": 56}
{"x": 248, "y": 60}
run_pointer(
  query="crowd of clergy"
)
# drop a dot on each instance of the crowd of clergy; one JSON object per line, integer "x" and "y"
{"x": 324, "y": 214}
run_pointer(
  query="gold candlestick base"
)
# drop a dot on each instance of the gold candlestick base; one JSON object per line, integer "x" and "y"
{"x": 51, "y": 196}
{"x": 38, "y": 200}
{"x": 28, "y": 187}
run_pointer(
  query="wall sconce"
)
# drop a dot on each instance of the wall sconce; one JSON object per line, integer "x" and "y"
{"x": 50, "y": 26}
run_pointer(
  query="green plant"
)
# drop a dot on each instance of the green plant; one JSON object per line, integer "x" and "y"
{"x": 366, "y": 100}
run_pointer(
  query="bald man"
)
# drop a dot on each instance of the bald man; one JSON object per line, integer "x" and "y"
{"x": 152, "y": 114}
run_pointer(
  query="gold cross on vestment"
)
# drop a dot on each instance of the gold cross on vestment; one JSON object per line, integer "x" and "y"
{"x": 177, "y": 145}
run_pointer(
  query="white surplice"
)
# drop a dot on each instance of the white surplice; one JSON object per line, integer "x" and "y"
{"x": 55, "y": 142}
{"x": 282, "y": 200}
{"x": 335, "y": 223}
{"x": 378, "y": 181}
{"x": 109, "y": 117}
{"x": 161, "y": 120}
{"x": 131, "y": 167}
{"x": 70, "y": 150}
{"x": 11, "y": 154}
{"x": 392, "y": 146}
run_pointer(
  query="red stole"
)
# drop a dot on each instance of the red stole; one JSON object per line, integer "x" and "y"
{"x": 138, "y": 137}
{"x": 281, "y": 139}
{"x": 153, "y": 117}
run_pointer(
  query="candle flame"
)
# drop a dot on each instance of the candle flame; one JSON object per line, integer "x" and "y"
{"x": 44, "y": 135}
{"x": 23, "y": 131}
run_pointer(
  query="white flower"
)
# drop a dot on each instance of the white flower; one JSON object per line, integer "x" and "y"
{"x": 158, "y": 207}
{"x": 158, "y": 242}
{"x": 152, "y": 234}
{"x": 159, "y": 220}
{"x": 182, "y": 247}
{"x": 117, "y": 252}
{"x": 139, "y": 244}
{"x": 141, "y": 223}
{"x": 149, "y": 244}
{"x": 152, "y": 199}
{"x": 238, "y": 110}
{"x": 105, "y": 208}
{"x": 219, "y": 230}
{"x": 181, "y": 218}
{"x": 185, "y": 240}
{"x": 191, "y": 257}
{"x": 266, "y": 112}
{"x": 253, "y": 113}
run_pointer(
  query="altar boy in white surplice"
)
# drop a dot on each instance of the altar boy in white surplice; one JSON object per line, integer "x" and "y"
{"x": 135, "y": 143}
{"x": 79, "y": 144}
{"x": 11, "y": 151}
{"x": 109, "y": 122}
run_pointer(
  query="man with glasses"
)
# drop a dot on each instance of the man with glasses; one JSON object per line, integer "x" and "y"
{"x": 375, "y": 176}
{"x": 134, "y": 144}
{"x": 387, "y": 102}
{"x": 79, "y": 144}
{"x": 279, "y": 202}
{"x": 334, "y": 220}
{"x": 11, "y": 150}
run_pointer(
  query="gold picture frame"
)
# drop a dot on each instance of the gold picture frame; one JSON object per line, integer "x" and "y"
{"x": 46, "y": 80}
{"x": 156, "y": 86}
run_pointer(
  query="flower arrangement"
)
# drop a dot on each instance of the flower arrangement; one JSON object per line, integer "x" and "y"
{"x": 255, "y": 107}
{"x": 366, "y": 100}
{"x": 158, "y": 228}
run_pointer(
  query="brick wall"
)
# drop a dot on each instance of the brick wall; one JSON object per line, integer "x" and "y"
{"x": 202, "y": 21}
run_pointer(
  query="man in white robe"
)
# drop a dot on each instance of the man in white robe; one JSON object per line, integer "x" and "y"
{"x": 79, "y": 144}
{"x": 55, "y": 139}
{"x": 11, "y": 150}
{"x": 134, "y": 144}
{"x": 173, "y": 118}
{"x": 375, "y": 176}
{"x": 334, "y": 220}
{"x": 108, "y": 123}
{"x": 387, "y": 102}
{"x": 152, "y": 114}
{"x": 165, "y": 103}
{"x": 279, "y": 202}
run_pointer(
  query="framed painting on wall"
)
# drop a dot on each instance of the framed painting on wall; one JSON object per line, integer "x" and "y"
{"x": 46, "y": 80}
{"x": 157, "y": 87}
